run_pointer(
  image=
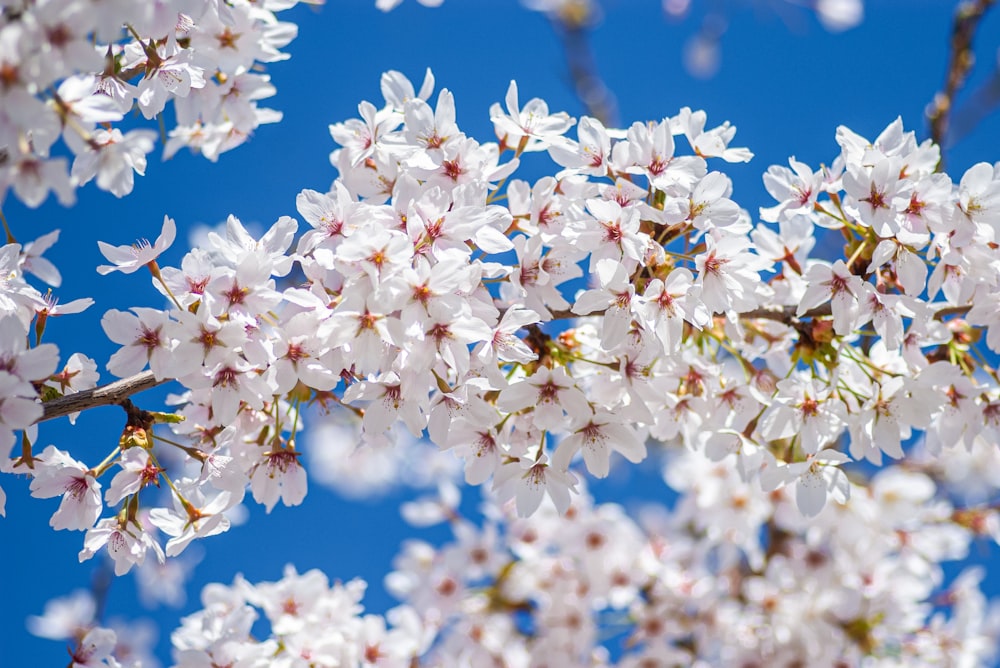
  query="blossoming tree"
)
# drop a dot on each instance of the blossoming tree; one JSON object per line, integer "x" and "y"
{"x": 526, "y": 311}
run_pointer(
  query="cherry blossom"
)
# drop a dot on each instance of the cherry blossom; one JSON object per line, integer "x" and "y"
{"x": 765, "y": 370}
{"x": 185, "y": 521}
{"x": 144, "y": 333}
{"x": 530, "y": 128}
{"x": 279, "y": 476}
{"x": 56, "y": 473}
{"x": 128, "y": 259}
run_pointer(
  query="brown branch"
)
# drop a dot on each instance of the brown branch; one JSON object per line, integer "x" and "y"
{"x": 980, "y": 104}
{"x": 952, "y": 310}
{"x": 786, "y": 314}
{"x": 968, "y": 15}
{"x": 115, "y": 393}
{"x": 573, "y": 24}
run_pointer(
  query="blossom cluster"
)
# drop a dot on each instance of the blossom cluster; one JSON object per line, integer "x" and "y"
{"x": 435, "y": 292}
{"x": 75, "y": 69}
{"x": 728, "y": 577}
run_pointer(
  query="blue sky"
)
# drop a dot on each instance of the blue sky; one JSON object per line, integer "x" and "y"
{"x": 785, "y": 87}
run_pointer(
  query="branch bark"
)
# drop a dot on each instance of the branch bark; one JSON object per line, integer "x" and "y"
{"x": 106, "y": 395}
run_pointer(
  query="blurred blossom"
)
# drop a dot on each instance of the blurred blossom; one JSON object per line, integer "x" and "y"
{"x": 676, "y": 8}
{"x": 355, "y": 467}
{"x": 839, "y": 15}
{"x": 64, "y": 617}
{"x": 702, "y": 55}
{"x": 165, "y": 584}
{"x": 136, "y": 640}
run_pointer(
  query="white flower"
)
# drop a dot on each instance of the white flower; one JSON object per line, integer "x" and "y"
{"x": 125, "y": 548}
{"x": 806, "y": 410}
{"x": 187, "y": 521}
{"x": 550, "y": 394}
{"x": 531, "y": 128}
{"x": 95, "y": 649}
{"x": 113, "y": 157}
{"x": 838, "y": 285}
{"x": 729, "y": 274}
{"x": 128, "y": 259}
{"x": 169, "y": 73}
{"x": 145, "y": 337}
{"x": 27, "y": 364}
{"x": 138, "y": 470}
{"x": 56, "y": 473}
{"x": 815, "y": 479}
{"x": 528, "y": 480}
{"x": 596, "y": 437}
{"x": 279, "y": 475}
{"x": 19, "y": 406}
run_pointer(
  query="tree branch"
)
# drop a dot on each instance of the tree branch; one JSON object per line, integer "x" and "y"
{"x": 106, "y": 395}
{"x": 786, "y": 314}
{"x": 572, "y": 24}
{"x": 118, "y": 392}
{"x": 981, "y": 103}
{"x": 967, "y": 18}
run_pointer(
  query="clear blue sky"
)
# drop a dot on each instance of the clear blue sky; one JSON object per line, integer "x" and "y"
{"x": 785, "y": 88}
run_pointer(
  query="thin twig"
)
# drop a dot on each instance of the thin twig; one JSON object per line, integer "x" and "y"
{"x": 968, "y": 15}
{"x": 981, "y": 103}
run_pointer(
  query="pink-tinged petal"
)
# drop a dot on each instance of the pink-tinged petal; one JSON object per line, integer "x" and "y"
{"x": 38, "y": 363}
{"x": 75, "y": 306}
{"x": 559, "y": 489}
{"x": 515, "y": 318}
{"x": 492, "y": 240}
{"x": 122, "y": 257}
{"x": 44, "y": 270}
{"x": 128, "y": 361}
{"x": 225, "y": 403}
{"x": 295, "y": 485}
{"x": 511, "y": 99}
{"x": 977, "y": 178}
{"x": 592, "y": 300}
{"x": 567, "y": 449}
{"x": 81, "y": 505}
{"x": 167, "y": 235}
{"x": 625, "y": 442}
{"x": 517, "y": 397}
{"x": 810, "y": 493}
{"x": 266, "y": 487}
{"x": 121, "y": 327}
{"x": 616, "y": 326}
{"x": 911, "y": 272}
{"x": 317, "y": 376}
{"x": 471, "y": 330}
{"x": 529, "y": 494}
{"x": 19, "y": 412}
{"x": 12, "y": 339}
{"x": 597, "y": 457}
{"x": 379, "y": 416}
{"x": 479, "y": 468}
